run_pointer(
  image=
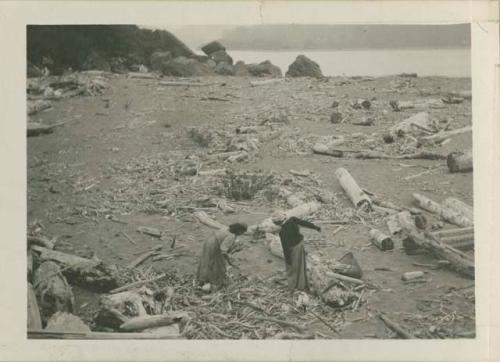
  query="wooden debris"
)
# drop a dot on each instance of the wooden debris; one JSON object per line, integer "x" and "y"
{"x": 358, "y": 197}
{"x": 297, "y": 327}
{"x": 322, "y": 149}
{"x": 412, "y": 275}
{"x": 150, "y": 321}
{"x": 141, "y": 259}
{"x": 460, "y": 162}
{"x": 149, "y": 231}
{"x": 460, "y": 207}
{"x": 40, "y": 241}
{"x": 266, "y": 81}
{"x": 380, "y": 240}
{"x": 202, "y": 217}
{"x": 458, "y": 260}
{"x": 446, "y": 213}
{"x": 393, "y": 224}
{"x": 52, "y": 290}
{"x": 143, "y": 75}
{"x": 443, "y": 135}
{"x": 132, "y": 241}
{"x": 454, "y": 232}
{"x": 137, "y": 284}
{"x": 36, "y": 129}
{"x": 396, "y": 327}
{"x": 186, "y": 84}
{"x": 38, "y": 106}
{"x": 89, "y": 273}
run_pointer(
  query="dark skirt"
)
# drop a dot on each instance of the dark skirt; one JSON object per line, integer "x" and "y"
{"x": 296, "y": 269}
{"x": 212, "y": 266}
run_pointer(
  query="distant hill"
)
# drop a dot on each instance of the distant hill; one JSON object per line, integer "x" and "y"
{"x": 281, "y": 37}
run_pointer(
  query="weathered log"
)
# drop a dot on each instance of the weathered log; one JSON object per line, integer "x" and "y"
{"x": 446, "y": 213}
{"x": 454, "y": 232}
{"x": 202, "y": 217}
{"x": 52, "y": 290}
{"x": 145, "y": 322}
{"x": 89, "y": 273}
{"x": 458, "y": 260}
{"x": 149, "y": 231}
{"x": 358, "y": 197}
{"x": 461, "y": 243}
{"x": 443, "y": 135}
{"x": 396, "y": 327}
{"x": 34, "y": 317}
{"x": 321, "y": 149}
{"x": 36, "y": 129}
{"x": 460, "y": 207}
{"x": 419, "y": 122}
{"x": 460, "y": 162}
{"x": 380, "y": 240}
{"x": 268, "y": 226}
{"x": 40, "y": 241}
{"x": 99, "y": 335}
{"x": 141, "y": 259}
{"x": 393, "y": 224}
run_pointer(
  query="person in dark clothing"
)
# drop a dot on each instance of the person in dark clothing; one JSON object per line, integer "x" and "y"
{"x": 293, "y": 249}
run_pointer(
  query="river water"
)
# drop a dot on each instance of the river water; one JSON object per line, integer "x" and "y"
{"x": 453, "y": 62}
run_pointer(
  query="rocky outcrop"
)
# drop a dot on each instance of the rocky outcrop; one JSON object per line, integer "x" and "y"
{"x": 304, "y": 67}
{"x": 224, "y": 69}
{"x": 212, "y": 47}
{"x": 221, "y": 57}
{"x": 184, "y": 67}
{"x": 158, "y": 59}
{"x": 240, "y": 69}
{"x": 264, "y": 69}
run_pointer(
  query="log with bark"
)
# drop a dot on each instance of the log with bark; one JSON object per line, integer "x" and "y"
{"x": 460, "y": 207}
{"x": 458, "y": 260}
{"x": 446, "y": 213}
{"x": 89, "y": 273}
{"x": 380, "y": 240}
{"x": 36, "y": 129}
{"x": 460, "y": 161}
{"x": 151, "y": 321}
{"x": 52, "y": 290}
{"x": 358, "y": 197}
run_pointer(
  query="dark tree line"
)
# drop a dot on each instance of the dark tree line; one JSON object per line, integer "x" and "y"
{"x": 70, "y": 45}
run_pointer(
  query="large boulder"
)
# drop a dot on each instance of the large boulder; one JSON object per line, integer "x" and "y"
{"x": 224, "y": 68}
{"x": 212, "y": 47}
{"x": 158, "y": 59}
{"x": 95, "y": 61}
{"x": 221, "y": 57}
{"x": 304, "y": 67}
{"x": 184, "y": 67}
{"x": 240, "y": 69}
{"x": 264, "y": 69}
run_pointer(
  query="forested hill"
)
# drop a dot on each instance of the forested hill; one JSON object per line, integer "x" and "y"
{"x": 276, "y": 37}
{"x": 70, "y": 45}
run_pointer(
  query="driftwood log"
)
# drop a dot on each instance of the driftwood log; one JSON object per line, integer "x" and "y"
{"x": 380, "y": 240}
{"x": 458, "y": 260}
{"x": 396, "y": 327}
{"x": 89, "y": 273}
{"x": 460, "y": 207}
{"x": 37, "y": 106}
{"x": 358, "y": 197}
{"x": 202, "y": 217}
{"x": 52, "y": 290}
{"x": 454, "y": 232}
{"x": 145, "y": 322}
{"x": 460, "y": 162}
{"x": 446, "y": 213}
{"x": 443, "y": 135}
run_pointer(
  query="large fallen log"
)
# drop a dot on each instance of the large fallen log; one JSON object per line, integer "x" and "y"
{"x": 145, "y": 322}
{"x": 460, "y": 162}
{"x": 447, "y": 214}
{"x": 358, "y": 197}
{"x": 460, "y": 207}
{"x": 89, "y": 273}
{"x": 52, "y": 290}
{"x": 458, "y": 260}
{"x": 202, "y": 217}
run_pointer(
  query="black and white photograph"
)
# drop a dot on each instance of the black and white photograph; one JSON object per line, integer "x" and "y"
{"x": 270, "y": 181}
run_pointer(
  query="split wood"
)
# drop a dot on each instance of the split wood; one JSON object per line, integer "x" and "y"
{"x": 136, "y": 284}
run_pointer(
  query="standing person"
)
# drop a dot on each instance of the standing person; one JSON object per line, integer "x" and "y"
{"x": 293, "y": 249}
{"x": 212, "y": 266}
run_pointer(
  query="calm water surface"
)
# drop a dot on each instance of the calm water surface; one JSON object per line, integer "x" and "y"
{"x": 377, "y": 62}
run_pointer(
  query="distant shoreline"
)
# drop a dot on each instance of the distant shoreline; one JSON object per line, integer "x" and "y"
{"x": 338, "y": 49}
